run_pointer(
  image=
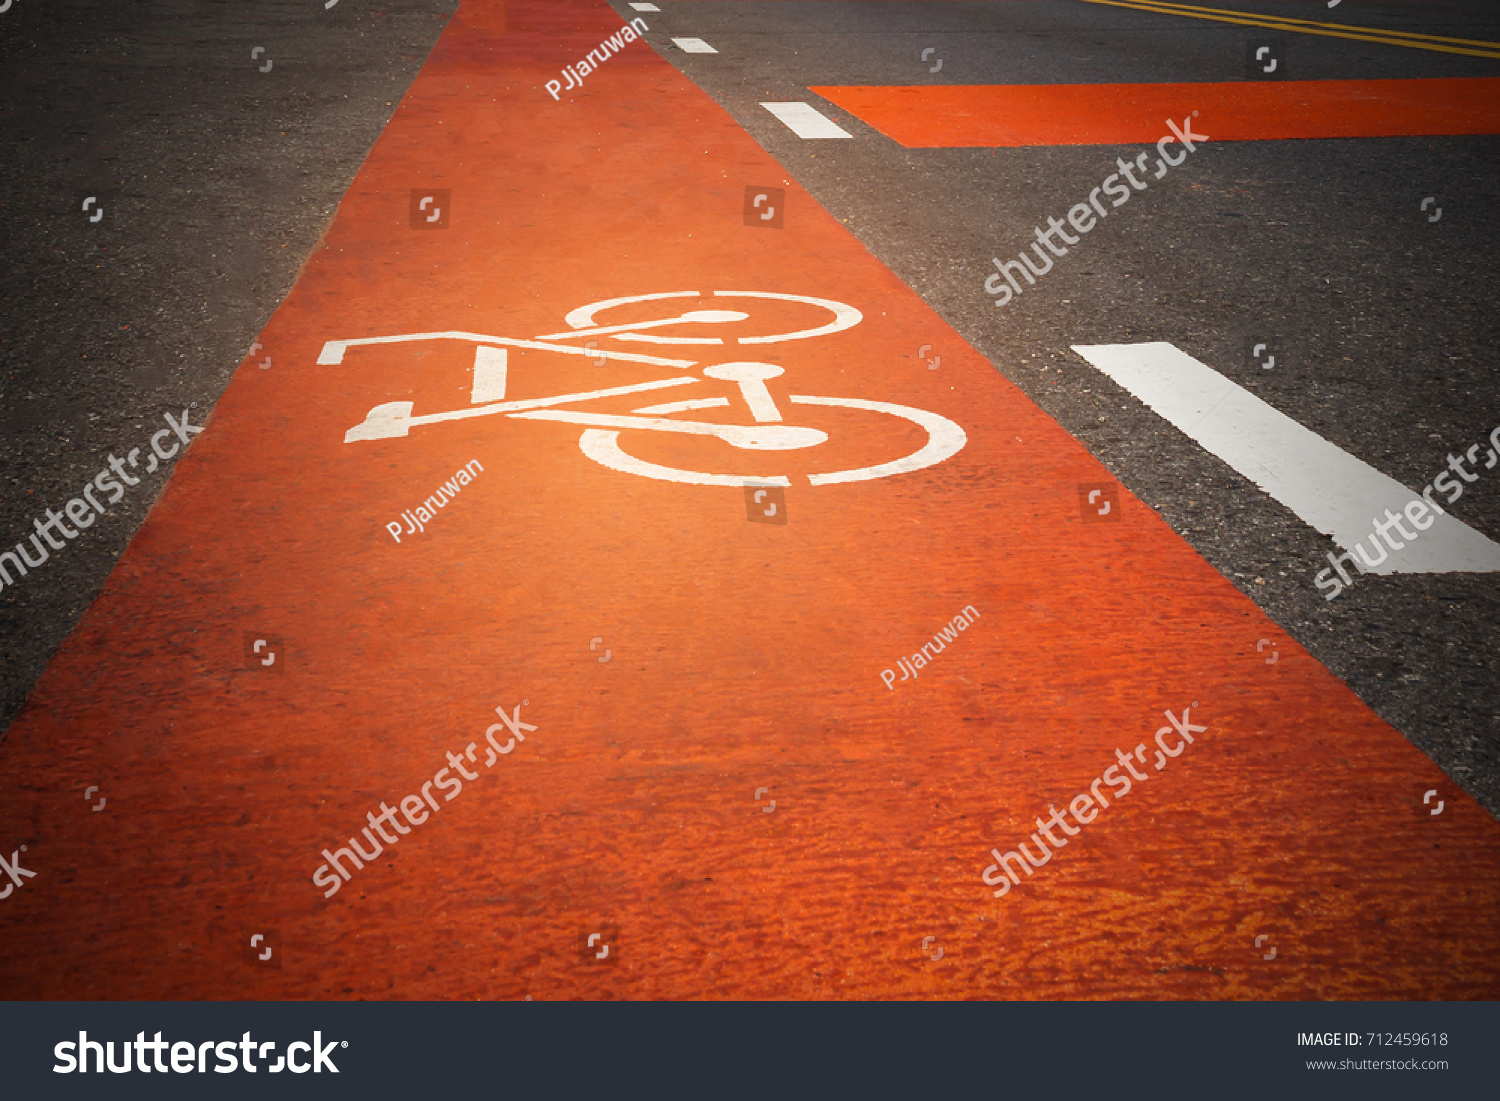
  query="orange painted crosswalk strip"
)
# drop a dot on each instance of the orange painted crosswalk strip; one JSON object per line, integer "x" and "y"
{"x": 593, "y": 699}
{"x": 955, "y": 116}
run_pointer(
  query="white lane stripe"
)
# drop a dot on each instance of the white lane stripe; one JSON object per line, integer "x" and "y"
{"x": 1328, "y": 488}
{"x": 645, "y": 7}
{"x": 805, "y": 122}
{"x": 694, "y": 46}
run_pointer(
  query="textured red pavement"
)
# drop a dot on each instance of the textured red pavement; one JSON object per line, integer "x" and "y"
{"x": 1003, "y": 115}
{"x": 742, "y": 655}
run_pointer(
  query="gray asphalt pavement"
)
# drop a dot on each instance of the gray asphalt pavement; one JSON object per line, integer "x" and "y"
{"x": 217, "y": 168}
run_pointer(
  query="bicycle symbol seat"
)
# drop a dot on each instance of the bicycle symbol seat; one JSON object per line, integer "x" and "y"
{"x": 600, "y": 440}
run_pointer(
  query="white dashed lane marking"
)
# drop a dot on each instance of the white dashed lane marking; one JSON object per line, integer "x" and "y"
{"x": 1328, "y": 488}
{"x": 805, "y": 122}
{"x": 694, "y": 46}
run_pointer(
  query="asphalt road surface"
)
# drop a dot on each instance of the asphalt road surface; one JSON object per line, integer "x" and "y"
{"x": 215, "y": 177}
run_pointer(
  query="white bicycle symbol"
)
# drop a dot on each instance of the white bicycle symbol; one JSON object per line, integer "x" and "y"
{"x": 600, "y": 440}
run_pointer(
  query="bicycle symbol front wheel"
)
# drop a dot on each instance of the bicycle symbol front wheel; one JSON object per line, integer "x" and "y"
{"x": 944, "y": 439}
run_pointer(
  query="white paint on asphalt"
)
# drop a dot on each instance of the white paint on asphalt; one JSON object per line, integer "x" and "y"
{"x": 394, "y": 419}
{"x": 489, "y": 374}
{"x": 1325, "y": 486}
{"x": 604, "y": 448}
{"x": 944, "y": 440}
{"x": 694, "y": 46}
{"x": 805, "y": 122}
{"x": 844, "y": 317}
{"x": 645, "y": 7}
{"x": 333, "y": 350}
{"x": 683, "y": 406}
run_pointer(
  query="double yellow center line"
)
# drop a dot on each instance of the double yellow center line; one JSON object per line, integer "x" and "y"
{"x": 1467, "y": 46}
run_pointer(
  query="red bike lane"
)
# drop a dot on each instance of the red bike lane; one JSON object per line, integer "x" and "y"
{"x": 721, "y": 785}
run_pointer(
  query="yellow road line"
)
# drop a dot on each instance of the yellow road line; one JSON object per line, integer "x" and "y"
{"x": 1184, "y": 8}
{"x": 1328, "y": 30}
